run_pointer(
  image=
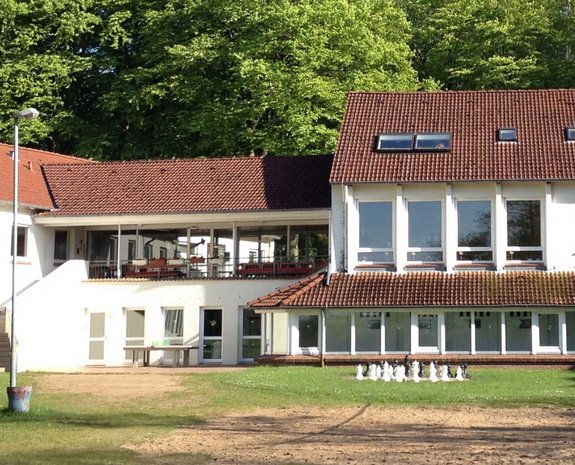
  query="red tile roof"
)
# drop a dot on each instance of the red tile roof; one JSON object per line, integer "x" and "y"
{"x": 472, "y": 118}
{"x": 426, "y": 289}
{"x": 191, "y": 185}
{"x": 33, "y": 191}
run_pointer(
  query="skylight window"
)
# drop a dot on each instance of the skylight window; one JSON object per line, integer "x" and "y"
{"x": 395, "y": 142}
{"x": 570, "y": 134}
{"x": 507, "y": 135}
{"x": 433, "y": 141}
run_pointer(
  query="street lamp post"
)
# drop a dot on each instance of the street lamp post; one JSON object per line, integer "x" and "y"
{"x": 13, "y": 404}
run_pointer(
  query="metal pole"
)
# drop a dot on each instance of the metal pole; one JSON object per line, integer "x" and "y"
{"x": 13, "y": 342}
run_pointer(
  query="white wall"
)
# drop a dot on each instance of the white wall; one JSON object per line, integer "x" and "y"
{"x": 53, "y": 315}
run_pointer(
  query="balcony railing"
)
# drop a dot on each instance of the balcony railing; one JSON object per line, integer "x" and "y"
{"x": 199, "y": 267}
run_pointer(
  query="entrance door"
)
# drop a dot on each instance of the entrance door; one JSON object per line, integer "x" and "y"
{"x": 428, "y": 333}
{"x": 135, "y": 330}
{"x": 549, "y": 331}
{"x": 97, "y": 338}
{"x": 308, "y": 333}
{"x": 251, "y": 334}
{"x": 212, "y": 335}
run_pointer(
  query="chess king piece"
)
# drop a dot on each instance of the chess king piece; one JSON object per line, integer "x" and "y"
{"x": 433, "y": 372}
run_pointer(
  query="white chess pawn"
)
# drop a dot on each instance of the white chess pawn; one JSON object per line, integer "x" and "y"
{"x": 415, "y": 372}
{"x": 378, "y": 371}
{"x": 432, "y": 373}
{"x": 400, "y": 374}
{"x": 459, "y": 374}
{"x": 386, "y": 372}
{"x": 372, "y": 372}
{"x": 359, "y": 372}
{"x": 444, "y": 376}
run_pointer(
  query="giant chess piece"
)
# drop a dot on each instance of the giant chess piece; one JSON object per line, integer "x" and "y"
{"x": 420, "y": 371}
{"x": 386, "y": 376}
{"x": 465, "y": 373}
{"x": 459, "y": 374}
{"x": 444, "y": 373}
{"x": 433, "y": 373}
{"x": 415, "y": 371}
{"x": 372, "y": 372}
{"x": 399, "y": 374}
{"x": 359, "y": 372}
{"x": 378, "y": 371}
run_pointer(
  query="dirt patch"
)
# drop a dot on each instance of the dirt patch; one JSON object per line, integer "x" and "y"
{"x": 363, "y": 435}
{"x": 110, "y": 386}
{"x": 372, "y": 435}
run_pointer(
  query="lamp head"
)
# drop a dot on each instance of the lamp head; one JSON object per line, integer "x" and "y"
{"x": 27, "y": 113}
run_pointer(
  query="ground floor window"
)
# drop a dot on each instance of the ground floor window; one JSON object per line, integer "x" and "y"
{"x": 518, "y": 331}
{"x": 251, "y": 334}
{"x": 212, "y": 335}
{"x": 444, "y": 331}
{"x": 338, "y": 332}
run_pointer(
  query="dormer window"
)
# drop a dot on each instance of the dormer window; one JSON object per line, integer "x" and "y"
{"x": 570, "y": 134}
{"x": 507, "y": 135}
{"x": 395, "y": 142}
{"x": 433, "y": 141}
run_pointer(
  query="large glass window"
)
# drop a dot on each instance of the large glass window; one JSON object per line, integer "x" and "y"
{"x": 524, "y": 230}
{"x": 474, "y": 230}
{"x": 458, "y": 331}
{"x": 518, "y": 331}
{"x": 428, "y": 331}
{"x": 397, "y": 331}
{"x": 488, "y": 331}
{"x": 308, "y": 331}
{"x": 549, "y": 329}
{"x": 425, "y": 232}
{"x": 60, "y": 246}
{"x": 174, "y": 326}
{"x": 135, "y": 329}
{"x": 21, "y": 241}
{"x": 212, "y": 335}
{"x": 368, "y": 332}
{"x": 251, "y": 334}
{"x": 570, "y": 323}
{"x": 375, "y": 232}
{"x": 337, "y": 332}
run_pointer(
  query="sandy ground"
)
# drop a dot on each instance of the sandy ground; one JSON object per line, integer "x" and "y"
{"x": 361, "y": 435}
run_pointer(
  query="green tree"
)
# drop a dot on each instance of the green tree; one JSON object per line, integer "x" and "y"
{"x": 39, "y": 41}
{"x": 482, "y": 44}
{"x": 204, "y": 77}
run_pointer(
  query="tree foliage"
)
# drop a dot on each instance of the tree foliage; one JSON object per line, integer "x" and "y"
{"x": 121, "y": 79}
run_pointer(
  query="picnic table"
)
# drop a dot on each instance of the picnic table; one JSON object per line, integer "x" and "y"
{"x": 183, "y": 350}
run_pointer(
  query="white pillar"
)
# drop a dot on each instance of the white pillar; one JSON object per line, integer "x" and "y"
{"x": 382, "y": 333}
{"x": 352, "y": 215}
{"x": 352, "y": 336}
{"x": 546, "y": 229}
{"x": 450, "y": 230}
{"x": 503, "y": 337}
{"x": 414, "y": 333}
{"x": 535, "y": 343}
{"x": 441, "y": 327}
{"x": 562, "y": 332}
{"x": 472, "y": 329}
{"x": 500, "y": 229}
{"x": 401, "y": 230}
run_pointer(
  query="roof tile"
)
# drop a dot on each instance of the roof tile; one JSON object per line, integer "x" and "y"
{"x": 472, "y": 117}
{"x": 429, "y": 289}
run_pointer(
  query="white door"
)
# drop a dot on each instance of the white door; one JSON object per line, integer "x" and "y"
{"x": 211, "y": 345}
{"x": 97, "y": 339}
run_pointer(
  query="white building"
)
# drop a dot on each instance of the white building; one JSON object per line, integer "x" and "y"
{"x": 453, "y": 219}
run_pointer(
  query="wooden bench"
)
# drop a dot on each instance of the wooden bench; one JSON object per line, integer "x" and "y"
{"x": 145, "y": 350}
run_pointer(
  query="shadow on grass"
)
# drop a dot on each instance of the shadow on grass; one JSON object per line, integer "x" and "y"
{"x": 118, "y": 419}
{"x": 88, "y": 456}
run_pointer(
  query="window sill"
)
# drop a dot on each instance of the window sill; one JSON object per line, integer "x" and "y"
{"x": 23, "y": 261}
{"x": 376, "y": 266}
{"x": 474, "y": 266}
{"x": 425, "y": 267}
{"x": 525, "y": 266}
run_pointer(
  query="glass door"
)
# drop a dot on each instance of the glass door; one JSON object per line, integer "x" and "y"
{"x": 97, "y": 338}
{"x": 135, "y": 330}
{"x": 212, "y": 335}
{"x": 251, "y": 334}
{"x": 308, "y": 326}
{"x": 549, "y": 331}
{"x": 428, "y": 333}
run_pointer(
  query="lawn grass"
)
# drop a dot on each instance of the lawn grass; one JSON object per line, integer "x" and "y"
{"x": 80, "y": 429}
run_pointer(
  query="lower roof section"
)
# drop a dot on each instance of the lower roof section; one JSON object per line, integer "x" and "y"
{"x": 425, "y": 289}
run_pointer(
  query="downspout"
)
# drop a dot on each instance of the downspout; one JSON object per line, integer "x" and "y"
{"x": 323, "y": 315}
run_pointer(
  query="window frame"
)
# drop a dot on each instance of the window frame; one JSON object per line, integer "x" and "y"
{"x": 21, "y": 241}
{"x": 511, "y": 249}
{"x": 421, "y": 136}
{"x": 388, "y": 136}
{"x": 502, "y": 138}
{"x": 570, "y": 134}
{"x": 173, "y": 340}
{"x": 463, "y": 249}
{"x": 412, "y": 250}
{"x": 367, "y": 250}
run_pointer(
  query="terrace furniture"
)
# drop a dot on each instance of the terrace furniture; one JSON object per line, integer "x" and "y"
{"x": 183, "y": 350}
